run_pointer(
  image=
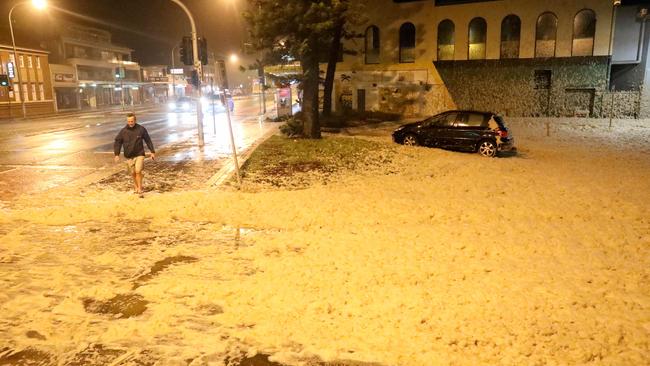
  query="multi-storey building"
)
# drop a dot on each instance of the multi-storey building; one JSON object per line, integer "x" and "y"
{"x": 89, "y": 71}
{"x": 530, "y": 58}
{"x": 158, "y": 83}
{"x": 29, "y": 82}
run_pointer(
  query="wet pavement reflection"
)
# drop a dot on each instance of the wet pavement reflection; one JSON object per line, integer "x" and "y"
{"x": 34, "y": 161}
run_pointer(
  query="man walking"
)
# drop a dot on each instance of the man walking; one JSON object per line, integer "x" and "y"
{"x": 131, "y": 137}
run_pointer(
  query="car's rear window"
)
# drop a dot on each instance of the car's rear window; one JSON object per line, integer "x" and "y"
{"x": 499, "y": 122}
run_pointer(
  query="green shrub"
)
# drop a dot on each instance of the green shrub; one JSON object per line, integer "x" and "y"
{"x": 293, "y": 128}
{"x": 278, "y": 119}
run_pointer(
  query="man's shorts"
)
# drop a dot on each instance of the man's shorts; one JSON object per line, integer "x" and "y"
{"x": 135, "y": 165}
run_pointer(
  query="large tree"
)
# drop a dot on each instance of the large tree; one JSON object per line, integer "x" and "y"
{"x": 289, "y": 30}
{"x": 346, "y": 15}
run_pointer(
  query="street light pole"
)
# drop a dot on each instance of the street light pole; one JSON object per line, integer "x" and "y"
{"x": 197, "y": 66}
{"x": 39, "y": 4}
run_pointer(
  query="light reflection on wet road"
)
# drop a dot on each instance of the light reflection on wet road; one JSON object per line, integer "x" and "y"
{"x": 37, "y": 155}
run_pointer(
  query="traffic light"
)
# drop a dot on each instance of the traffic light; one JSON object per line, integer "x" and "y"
{"x": 4, "y": 80}
{"x": 187, "y": 55}
{"x": 203, "y": 50}
{"x": 222, "y": 77}
{"x": 195, "y": 79}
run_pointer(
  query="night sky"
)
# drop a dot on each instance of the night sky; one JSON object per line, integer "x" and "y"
{"x": 150, "y": 27}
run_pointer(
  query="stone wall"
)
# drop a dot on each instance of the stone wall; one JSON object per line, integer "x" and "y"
{"x": 624, "y": 104}
{"x": 528, "y": 87}
{"x": 644, "y": 102}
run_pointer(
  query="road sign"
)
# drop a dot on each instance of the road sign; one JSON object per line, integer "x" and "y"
{"x": 10, "y": 70}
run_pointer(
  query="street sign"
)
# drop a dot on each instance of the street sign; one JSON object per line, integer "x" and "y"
{"x": 10, "y": 70}
{"x": 177, "y": 71}
{"x": 283, "y": 102}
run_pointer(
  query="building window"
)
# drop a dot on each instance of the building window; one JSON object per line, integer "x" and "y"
{"x": 407, "y": 43}
{"x": 446, "y": 41}
{"x": 21, "y": 60}
{"x": 34, "y": 96}
{"x": 477, "y": 37}
{"x": 372, "y": 45}
{"x": 510, "y": 35}
{"x": 543, "y": 79}
{"x": 546, "y": 33}
{"x": 38, "y": 62}
{"x": 41, "y": 90}
{"x": 29, "y": 62}
{"x": 25, "y": 95}
{"x": 584, "y": 29}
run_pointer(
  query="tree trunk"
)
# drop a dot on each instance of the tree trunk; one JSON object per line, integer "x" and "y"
{"x": 335, "y": 50}
{"x": 310, "y": 69}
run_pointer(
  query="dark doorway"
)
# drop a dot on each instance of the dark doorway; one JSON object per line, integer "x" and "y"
{"x": 361, "y": 100}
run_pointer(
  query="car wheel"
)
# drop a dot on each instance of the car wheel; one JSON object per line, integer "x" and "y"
{"x": 410, "y": 140}
{"x": 487, "y": 148}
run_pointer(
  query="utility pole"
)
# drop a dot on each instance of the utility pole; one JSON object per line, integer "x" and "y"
{"x": 197, "y": 66}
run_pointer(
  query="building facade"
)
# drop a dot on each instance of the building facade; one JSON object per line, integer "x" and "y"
{"x": 524, "y": 58}
{"x": 29, "y": 83}
{"x": 158, "y": 83}
{"x": 89, "y": 71}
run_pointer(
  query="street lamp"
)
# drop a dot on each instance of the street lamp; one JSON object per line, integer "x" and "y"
{"x": 40, "y": 5}
{"x": 197, "y": 66}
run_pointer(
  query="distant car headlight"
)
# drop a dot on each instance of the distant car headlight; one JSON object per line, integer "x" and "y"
{"x": 186, "y": 106}
{"x": 172, "y": 105}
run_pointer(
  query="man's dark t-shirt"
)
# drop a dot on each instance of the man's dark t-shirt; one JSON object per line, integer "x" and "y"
{"x": 131, "y": 138}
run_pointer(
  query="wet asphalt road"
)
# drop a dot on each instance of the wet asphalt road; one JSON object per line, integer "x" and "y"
{"x": 44, "y": 153}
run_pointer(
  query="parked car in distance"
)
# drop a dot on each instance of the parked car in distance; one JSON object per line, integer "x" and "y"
{"x": 482, "y": 132}
{"x": 182, "y": 104}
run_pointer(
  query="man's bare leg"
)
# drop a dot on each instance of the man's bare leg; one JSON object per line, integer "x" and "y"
{"x": 138, "y": 182}
{"x": 135, "y": 182}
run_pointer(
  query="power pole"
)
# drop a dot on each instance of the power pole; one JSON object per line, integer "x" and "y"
{"x": 198, "y": 68}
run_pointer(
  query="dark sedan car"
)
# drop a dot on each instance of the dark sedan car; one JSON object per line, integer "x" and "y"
{"x": 482, "y": 132}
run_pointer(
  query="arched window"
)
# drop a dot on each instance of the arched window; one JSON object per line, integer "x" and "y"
{"x": 407, "y": 43}
{"x": 584, "y": 29}
{"x": 477, "y": 37}
{"x": 372, "y": 45}
{"x": 446, "y": 40}
{"x": 545, "y": 35}
{"x": 510, "y": 34}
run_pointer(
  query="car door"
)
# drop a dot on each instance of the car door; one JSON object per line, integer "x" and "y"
{"x": 427, "y": 131}
{"x": 444, "y": 134}
{"x": 467, "y": 130}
